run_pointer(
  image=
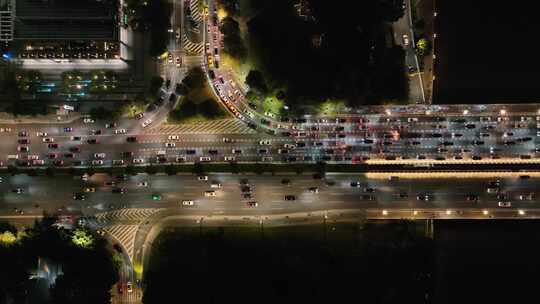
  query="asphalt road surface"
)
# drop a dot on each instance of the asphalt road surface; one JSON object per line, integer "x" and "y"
{"x": 372, "y": 191}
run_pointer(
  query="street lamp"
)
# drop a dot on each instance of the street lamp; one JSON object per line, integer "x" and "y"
{"x": 384, "y": 212}
{"x": 521, "y": 212}
{"x": 503, "y": 112}
{"x": 388, "y": 112}
{"x": 465, "y": 112}
{"x": 448, "y": 212}
{"x": 485, "y": 212}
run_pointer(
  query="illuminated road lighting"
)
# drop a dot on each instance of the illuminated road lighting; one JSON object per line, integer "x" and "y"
{"x": 521, "y": 212}
{"x": 384, "y": 212}
{"x": 485, "y": 212}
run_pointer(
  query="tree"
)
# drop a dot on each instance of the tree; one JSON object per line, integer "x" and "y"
{"x": 82, "y": 238}
{"x": 232, "y": 41}
{"x": 195, "y": 78}
{"x": 198, "y": 168}
{"x": 232, "y": 7}
{"x": 423, "y": 46}
{"x": 155, "y": 84}
{"x": 12, "y": 170}
{"x": 171, "y": 169}
{"x": 131, "y": 170}
{"x": 255, "y": 80}
{"x": 50, "y": 171}
{"x": 151, "y": 170}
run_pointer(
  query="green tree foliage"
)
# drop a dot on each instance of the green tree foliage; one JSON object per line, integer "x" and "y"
{"x": 232, "y": 41}
{"x": 255, "y": 80}
{"x": 100, "y": 113}
{"x": 232, "y": 7}
{"x": 195, "y": 78}
{"x": 282, "y": 44}
{"x": 155, "y": 84}
{"x": 208, "y": 109}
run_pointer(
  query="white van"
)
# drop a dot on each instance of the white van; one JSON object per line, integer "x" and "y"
{"x": 13, "y": 156}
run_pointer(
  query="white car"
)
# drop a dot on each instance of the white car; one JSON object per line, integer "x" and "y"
{"x": 118, "y": 162}
{"x": 88, "y": 120}
{"x": 32, "y": 157}
{"x": 41, "y": 134}
{"x": 289, "y": 146}
{"x": 38, "y": 162}
{"x": 99, "y": 155}
{"x": 120, "y": 131}
{"x": 174, "y": 137}
{"x": 269, "y": 114}
{"x": 205, "y": 158}
{"x": 505, "y": 204}
{"x": 215, "y": 185}
{"x": 146, "y": 123}
{"x": 188, "y": 203}
{"x": 170, "y": 145}
{"x": 138, "y": 160}
{"x": 142, "y": 184}
{"x": 264, "y": 142}
{"x": 180, "y": 159}
{"x": 210, "y": 193}
{"x": 48, "y": 140}
{"x": 97, "y": 162}
{"x": 202, "y": 178}
{"x": 229, "y": 158}
{"x": 405, "y": 40}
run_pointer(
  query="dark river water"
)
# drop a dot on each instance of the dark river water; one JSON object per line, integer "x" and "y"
{"x": 487, "y": 51}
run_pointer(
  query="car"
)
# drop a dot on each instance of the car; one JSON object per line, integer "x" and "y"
{"x": 120, "y": 131}
{"x": 48, "y": 140}
{"x": 92, "y": 141}
{"x": 38, "y": 162}
{"x": 369, "y": 190}
{"x": 117, "y": 162}
{"x": 95, "y": 132}
{"x": 504, "y": 204}
{"x": 156, "y": 197}
{"x": 263, "y": 151}
{"x": 216, "y": 185}
{"x": 471, "y": 198}
{"x": 52, "y": 146}
{"x": 478, "y": 142}
{"x": 74, "y": 149}
{"x": 526, "y": 197}
{"x": 170, "y": 145}
{"x": 146, "y": 123}
{"x": 313, "y": 189}
{"x": 205, "y": 158}
{"x": 424, "y": 197}
{"x": 97, "y": 162}
{"x": 68, "y": 155}
{"x": 139, "y": 115}
{"x": 252, "y": 204}
{"x": 23, "y": 148}
{"x": 202, "y": 177}
{"x": 75, "y": 138}
{"x": 355, "y": 184}
{"x": 405, "y": 40}
{"x": 283, "y": 151}
{"x": 89, "y": 189}
{"x": 131, "y": 139}
{"x": 78, "y": 196}
{"x": 129, "y": 287}
{"x": 127, "y": 154}
{"x": 119, "y": 190}
{"x": 68, "y": 129}
{"x": 88, "y": 120}
{"x": 2, "y": 130}
{"x": 23, "y": 134}
{"x": 470, "y": 126}
{"x": 236, "y": 151}
{"x": 229, "y": 158}
{"x": 173, "y": 137}
{"x": 290, "y": 197}
{"x": 209, "y": 193}
{"x": 289, "y": 146}
{"x": 265, "y": 142}
{"x": 99, "y": 155}
{"x": 41, "y": 134}
{"x": 138, "y": 160}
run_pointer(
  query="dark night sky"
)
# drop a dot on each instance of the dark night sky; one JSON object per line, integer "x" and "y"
{"x": 487, "y": 51}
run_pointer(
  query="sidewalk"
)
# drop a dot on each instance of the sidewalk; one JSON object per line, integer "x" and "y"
{"x": 425, "y": 10}
{"x": 39, "y": 119}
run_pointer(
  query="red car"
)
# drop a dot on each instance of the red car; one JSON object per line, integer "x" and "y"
{"x": 52, "y": 155}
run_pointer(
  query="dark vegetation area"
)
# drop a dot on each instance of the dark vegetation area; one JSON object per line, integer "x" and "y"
{"x": 295, "y": 264}
{"x": 87, "y": 268}
{"x": 340, "y": 51}
{"x": 196, "y": 102}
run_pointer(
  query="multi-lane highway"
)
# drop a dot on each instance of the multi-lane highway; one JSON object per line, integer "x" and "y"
{"x": 225, "y": 194}
{"x": 470, "y": 138}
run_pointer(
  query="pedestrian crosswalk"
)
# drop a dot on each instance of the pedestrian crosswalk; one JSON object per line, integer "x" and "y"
{"x": 125, "y": 235}
{"x": 196, "y": 13}
{"x": 136, "y": 215}
{"x": 191, "y": 48}
{"x": 221, "y": 126}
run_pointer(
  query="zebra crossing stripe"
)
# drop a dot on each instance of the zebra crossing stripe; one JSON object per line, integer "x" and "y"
{"x": 125, "y": 235}
{"x": 191, "y": 47}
